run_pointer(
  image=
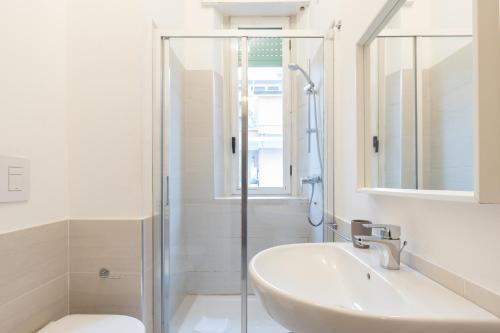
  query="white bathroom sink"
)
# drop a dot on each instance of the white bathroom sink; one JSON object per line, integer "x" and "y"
{"x": 335, "y": 288}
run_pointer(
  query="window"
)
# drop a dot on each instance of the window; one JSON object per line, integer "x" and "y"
{"x": 268, "y": 111}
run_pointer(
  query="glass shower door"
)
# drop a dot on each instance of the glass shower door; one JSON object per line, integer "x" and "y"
{"x": 238, "y": 168}
{"x": 202, "y": 234}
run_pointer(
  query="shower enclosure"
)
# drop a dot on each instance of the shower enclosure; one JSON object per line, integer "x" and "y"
{"x": 239, "y": 166}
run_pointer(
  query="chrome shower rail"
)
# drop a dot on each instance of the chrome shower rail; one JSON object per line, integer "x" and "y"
{"x": 162, "y": 34}
{"x": 244, "y": 184}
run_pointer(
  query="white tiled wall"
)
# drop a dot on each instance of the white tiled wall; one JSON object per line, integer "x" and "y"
{"x": 220, "y": 146}
{"x": 214, "y": 238}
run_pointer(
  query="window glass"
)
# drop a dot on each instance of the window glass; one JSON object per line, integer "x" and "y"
{"x": 265, "y": 113}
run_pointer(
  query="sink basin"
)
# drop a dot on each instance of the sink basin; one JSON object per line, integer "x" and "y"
{"x": 336, "y": 288}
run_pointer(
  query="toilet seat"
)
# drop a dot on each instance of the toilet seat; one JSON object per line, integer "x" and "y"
{"x": 95, "y": 324}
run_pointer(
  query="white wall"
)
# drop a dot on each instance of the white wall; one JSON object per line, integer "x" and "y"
{"x": 319, "y": 15}
{"x": 200, "y": 18}
{"x": 76, "y": 76}
{"x": 460, "y": 237}
{"x": 33, "y": 96}
{"x": 424, "y": 15}
{"x": 106, "y": 43}
{"x": 110, "y": 70}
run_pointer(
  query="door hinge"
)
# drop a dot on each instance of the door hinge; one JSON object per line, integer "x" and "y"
{"x": 291, "y": 169}
{"x": 290, "y": 44}
{"x": 233, "y": 144}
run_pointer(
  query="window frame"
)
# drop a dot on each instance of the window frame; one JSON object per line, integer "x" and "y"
{"x": 282, "y": 23}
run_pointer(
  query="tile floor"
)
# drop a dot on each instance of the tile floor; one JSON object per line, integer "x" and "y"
{"x": 195, "y": 307}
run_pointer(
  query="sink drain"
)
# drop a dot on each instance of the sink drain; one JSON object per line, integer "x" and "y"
{"x": 368, "y": 276}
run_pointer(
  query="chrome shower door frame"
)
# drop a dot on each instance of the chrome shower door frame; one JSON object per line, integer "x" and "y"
{"x": 161, "y": 79}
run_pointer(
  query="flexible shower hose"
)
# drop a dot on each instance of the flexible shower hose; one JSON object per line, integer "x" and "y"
{"x": 318, "y": 146}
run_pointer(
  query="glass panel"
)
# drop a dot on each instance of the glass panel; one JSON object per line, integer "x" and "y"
{"x": 396, "y": 113}
{"x": 447, "y": 113}
{"x": 273, "y": 222}
{"x": 202, "y": 230}
{"x": 421, "y": 103}
{"x": 203, "y": 246}
{"x": 265, "y": 112}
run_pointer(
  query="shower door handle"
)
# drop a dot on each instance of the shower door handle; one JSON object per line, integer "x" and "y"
{"x": 376, "y": 144}
{"x": 166, "y": 191}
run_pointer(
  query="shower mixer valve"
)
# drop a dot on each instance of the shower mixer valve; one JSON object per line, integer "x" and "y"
{"x": 310, "y": 180}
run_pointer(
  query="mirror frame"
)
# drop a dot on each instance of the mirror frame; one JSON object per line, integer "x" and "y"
{"x": 486, "y": 85}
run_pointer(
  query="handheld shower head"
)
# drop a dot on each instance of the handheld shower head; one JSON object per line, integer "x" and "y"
{"x": 295, "y": 67}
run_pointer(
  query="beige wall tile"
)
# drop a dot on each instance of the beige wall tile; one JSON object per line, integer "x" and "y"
{"x": 34, "y": 275}
{"x": 32, "y": 257}
{"x": 147, "y": 248}
{"x": 91, "y": 294}
{"x": 157, "y": 275}
{"x": 148, "y": 300}
{"x": 32, "y": 311}
{"x": 434, "y": 272}
{"x": 486, "y": 299}
{"x": 112, "y": 244}
{"x": 147, "y": 242}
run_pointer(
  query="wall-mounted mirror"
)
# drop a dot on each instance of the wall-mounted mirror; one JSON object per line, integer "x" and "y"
{"x": 428, "y": 82}
{"x": 419, "y": 98}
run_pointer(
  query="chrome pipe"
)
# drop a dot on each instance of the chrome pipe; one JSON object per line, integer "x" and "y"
{"x": 244, "y": 183}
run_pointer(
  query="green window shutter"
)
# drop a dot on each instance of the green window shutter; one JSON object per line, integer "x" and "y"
{"x": 264, "y": 52}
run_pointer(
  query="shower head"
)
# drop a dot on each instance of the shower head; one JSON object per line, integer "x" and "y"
{"x": 295, "y": 67}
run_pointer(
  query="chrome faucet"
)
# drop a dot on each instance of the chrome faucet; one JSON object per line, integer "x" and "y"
{"x": 389, "y": 243}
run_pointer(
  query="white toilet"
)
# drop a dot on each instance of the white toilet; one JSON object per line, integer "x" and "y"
{"x": 95, "y": 324}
